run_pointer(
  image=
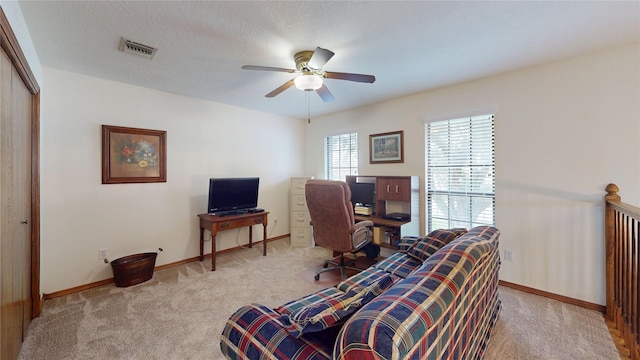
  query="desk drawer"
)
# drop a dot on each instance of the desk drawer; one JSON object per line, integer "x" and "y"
{"x": 298, "y": 202}
{"x": 301, "y": 236}
{"x": 300, "y": 218}
{"x": 234, "y": 224}
{"x": 297, "y": 185}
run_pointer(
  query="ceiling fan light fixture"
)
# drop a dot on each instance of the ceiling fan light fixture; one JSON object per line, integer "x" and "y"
{"x": 308, "y": 82}
{"x": 309, "y": 67}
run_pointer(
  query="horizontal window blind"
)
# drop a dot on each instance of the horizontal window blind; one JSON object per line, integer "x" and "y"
{"x": 341, "y": 156}
{"x": 460, "y": 172}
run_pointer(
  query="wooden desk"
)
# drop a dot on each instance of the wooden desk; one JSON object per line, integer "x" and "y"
{"x": 217, "y": 223}
{"x": 378, "y": 221}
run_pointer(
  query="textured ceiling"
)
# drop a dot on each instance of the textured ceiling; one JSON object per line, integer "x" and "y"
{"x": 409, "y": 46}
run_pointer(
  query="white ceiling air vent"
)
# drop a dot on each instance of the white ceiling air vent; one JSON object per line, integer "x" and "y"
{"x": 132, "y": 47}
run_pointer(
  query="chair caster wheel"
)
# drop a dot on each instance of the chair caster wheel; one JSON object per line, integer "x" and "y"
{"x": 317, "y": 277}
{"x": 325, "y": 265}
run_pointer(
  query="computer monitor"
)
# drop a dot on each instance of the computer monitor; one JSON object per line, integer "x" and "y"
{"x": 363, "y": 194}
{"x": 232, "y": 194}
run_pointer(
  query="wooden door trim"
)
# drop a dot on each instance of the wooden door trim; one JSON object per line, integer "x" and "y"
{"x": 10, "y": 45}
{"x": 37, "y": 302}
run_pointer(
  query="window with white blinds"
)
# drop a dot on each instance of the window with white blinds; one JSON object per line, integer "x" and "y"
{"x": 341, "y": 156}
{"x": 460, "y": 172}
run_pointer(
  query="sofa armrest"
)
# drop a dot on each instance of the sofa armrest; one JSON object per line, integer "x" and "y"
{"x": 254, "y": 330}
{"x": 453, "y": 295}
{"x": 407, "y": 241}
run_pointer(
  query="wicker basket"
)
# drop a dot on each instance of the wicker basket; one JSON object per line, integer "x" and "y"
{"x": 133, "y": 269}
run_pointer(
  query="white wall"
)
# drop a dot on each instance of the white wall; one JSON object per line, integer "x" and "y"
{"x": 563, "y": 132}
{"x": 204, "y": 139}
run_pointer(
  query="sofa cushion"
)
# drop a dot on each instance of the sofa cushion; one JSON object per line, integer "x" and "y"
{"x": 322, "y": 315}
{"x": 363, "y": 279}
{"x": 317, "y": 297}
{"x": 406, "y": 242}
{"x": 398, "y": 264}
{"x": 427, "y": 246}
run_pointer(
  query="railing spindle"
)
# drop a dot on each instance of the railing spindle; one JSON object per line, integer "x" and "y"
{"x": 622, "y": 251}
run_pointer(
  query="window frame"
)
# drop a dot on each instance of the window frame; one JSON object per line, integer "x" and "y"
{"x": 346, "y": 167}
{"x": 475, "y": 189}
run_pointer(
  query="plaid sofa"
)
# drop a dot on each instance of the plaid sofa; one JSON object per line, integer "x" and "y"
{"x": 436, "y": 298}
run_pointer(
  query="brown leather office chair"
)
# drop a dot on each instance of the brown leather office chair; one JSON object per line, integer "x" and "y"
{"x": 333, "y": 221}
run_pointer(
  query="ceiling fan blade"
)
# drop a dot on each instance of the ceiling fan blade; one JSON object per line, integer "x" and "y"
{"x": 351, "y": 77}
{"x": 266, "y": 68}
{"x": 319, "y": 58}
{"x": 325, "y": 94}
{"x": 280, "y": 89}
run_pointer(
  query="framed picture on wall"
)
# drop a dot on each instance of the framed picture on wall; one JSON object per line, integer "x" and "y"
{"x": 386, "y": 147}
{"x": 131, "y": 155}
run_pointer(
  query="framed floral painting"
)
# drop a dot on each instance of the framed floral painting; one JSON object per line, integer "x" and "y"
{"x": 131, "y": 155}
{"x": 386, "y": 147}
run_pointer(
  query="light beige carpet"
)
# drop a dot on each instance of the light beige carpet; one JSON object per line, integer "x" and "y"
{"x": 180, "y": 313}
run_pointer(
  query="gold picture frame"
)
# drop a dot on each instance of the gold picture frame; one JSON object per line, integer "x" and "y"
{"x": 131, "y": 155}
{"x": 386, "y": 147}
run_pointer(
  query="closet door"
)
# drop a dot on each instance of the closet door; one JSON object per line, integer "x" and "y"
{"x": 22, "y": 190}
{"x": 15, "y": 209}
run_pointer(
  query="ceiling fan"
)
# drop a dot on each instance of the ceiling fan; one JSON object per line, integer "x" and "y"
{"x": 309, "y": 65}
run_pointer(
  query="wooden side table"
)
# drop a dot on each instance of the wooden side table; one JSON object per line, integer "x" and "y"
{"x": 217, "y": 223}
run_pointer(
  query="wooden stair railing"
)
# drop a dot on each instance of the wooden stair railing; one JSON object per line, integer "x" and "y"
{"x": 622, "y": 230}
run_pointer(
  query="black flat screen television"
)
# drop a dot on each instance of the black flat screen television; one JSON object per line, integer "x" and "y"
{"x": 363, "y": 194}
{"x": 232, "y": 194}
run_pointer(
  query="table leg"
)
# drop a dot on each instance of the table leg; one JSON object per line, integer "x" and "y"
{"x": 250, "y": 236}
{"x": 201, "y": 243}
{"x": 264, "y": 238}
{"x": 214, "y": 232}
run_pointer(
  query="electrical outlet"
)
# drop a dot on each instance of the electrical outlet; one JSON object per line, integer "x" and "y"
{"x": 102, "y": 254}
{"x": 507, "y": 255}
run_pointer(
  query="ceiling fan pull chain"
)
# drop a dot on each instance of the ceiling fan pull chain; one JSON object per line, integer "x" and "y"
{"x": 306, "y": 95}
